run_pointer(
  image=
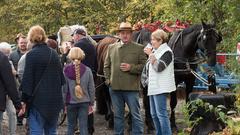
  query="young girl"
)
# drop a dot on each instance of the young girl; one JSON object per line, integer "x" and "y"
{"x": 78, "y": 91}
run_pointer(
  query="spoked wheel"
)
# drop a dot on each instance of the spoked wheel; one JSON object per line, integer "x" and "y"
{"x": 62, "y": 117}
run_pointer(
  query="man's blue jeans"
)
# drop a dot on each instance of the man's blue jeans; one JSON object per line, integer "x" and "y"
{"x": 119, "y": 98}
{"x": 158, "y": 109}
{"x": 39, "y": 126}
{"x": 77, "y": 112}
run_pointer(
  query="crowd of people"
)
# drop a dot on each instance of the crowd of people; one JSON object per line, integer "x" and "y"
{"x": 35, "y": 83}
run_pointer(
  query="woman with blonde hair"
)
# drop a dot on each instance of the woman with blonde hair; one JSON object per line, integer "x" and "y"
{"x": 158, "y": 75}
{"x": 42, "y": 84}
{"x": 79, "y": 91}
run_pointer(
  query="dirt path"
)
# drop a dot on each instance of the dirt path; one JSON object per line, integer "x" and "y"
{"x": 100, "y": 124}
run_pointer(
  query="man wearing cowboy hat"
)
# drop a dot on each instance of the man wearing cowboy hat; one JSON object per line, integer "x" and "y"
{"x": 21, "y": 49}
{"x": 123, "y": 65}
{"x": 15, "y": 57}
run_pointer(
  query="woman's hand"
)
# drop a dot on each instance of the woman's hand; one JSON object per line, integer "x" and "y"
{"x": 147, "y": 50}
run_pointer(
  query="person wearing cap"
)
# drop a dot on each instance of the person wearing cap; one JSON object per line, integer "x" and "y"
{"x": 122, "y": 68}
{"x": 21, "y": 49}
{"x": 15, "y": 57}
{"x": 82, "y": 41}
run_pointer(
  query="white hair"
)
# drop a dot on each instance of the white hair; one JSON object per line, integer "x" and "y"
{"x": 74, "y": 27}
{"x": 5, "y": 45}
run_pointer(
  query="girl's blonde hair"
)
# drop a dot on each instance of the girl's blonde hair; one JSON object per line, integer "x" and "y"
{"x": 36, "y": 34}
{"x": 159, "y": 34}
{"x": 76, "y": 55}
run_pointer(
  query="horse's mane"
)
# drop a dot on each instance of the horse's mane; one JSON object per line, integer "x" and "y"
{"x": 102, "y": 51}
{"x": 107, "y": 40}
{"x": 192, "y": 28}
{"x": 142, "y": 36}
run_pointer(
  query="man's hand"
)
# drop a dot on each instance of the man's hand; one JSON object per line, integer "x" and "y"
{"x": 22, "y": 110}
{"x": 107, "y": 82}
{"x": 125, "y": 67}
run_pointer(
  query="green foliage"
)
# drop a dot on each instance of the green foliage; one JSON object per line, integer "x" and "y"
{"x": 19, "y": 15}
{"x": 206, "y": 110}
{"x": 186, "y": 114}
{"x": 234, "y": 126}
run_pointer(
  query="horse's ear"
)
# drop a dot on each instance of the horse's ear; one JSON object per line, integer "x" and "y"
{"x": 204, "y": 24}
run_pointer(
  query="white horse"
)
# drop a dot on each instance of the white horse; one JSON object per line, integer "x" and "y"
{"x": 65, "y": 32}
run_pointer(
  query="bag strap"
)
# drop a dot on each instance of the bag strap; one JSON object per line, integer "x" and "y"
{"x": 36, "y": 88}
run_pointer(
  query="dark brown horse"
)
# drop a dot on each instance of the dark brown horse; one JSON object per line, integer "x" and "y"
{"x": 185, "y": 44}
{"x": 103, "y": 99}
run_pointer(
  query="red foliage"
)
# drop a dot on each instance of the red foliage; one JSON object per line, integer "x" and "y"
{"x": 168, "y": 26}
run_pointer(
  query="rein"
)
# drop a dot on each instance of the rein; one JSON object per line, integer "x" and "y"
{"x": 174, "y": 44}
{"x": 200, "y": 78}
{"x": 101, "y": 76}
{"x": 186, "y": 61}
{"x": 138, "y": 37}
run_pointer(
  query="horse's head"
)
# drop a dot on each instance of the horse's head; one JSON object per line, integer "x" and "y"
{"x": 207, "y": 41}
{"x": 142, "y": 36}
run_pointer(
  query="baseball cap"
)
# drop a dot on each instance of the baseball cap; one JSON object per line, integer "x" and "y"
{"x": 79, "y": 31}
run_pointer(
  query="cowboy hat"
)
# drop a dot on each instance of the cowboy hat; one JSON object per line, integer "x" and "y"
{"x": 125, "y": 26}
{"x": 19, "y": 35}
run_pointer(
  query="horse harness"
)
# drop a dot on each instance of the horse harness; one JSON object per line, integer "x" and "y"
{"x": 192, "y": 60}
{"x": 188, "y": 61}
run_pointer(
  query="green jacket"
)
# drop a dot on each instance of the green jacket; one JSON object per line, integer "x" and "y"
{"x": 132, "y": 54}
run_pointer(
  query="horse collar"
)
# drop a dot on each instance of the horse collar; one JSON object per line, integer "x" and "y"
{"x": 174, "y": 44}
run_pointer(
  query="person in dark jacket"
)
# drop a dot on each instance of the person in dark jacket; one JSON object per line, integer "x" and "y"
{"x": 82, "y": 41}
{"x": 41, "y": 84}
{"x": 7, "y": 86}
{"x": 15, "y": 57}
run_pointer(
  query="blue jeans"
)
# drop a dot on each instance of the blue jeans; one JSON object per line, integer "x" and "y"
{"x": 1, "y": 119}
{"x": 77, "y": 112}
{"x": 119, "y": 98}
{"x": 39, "y": 126}
{"x": 158, "y": 109}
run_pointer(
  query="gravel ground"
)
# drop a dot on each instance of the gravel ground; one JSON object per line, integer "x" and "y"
{"x": 100, "y": 124}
